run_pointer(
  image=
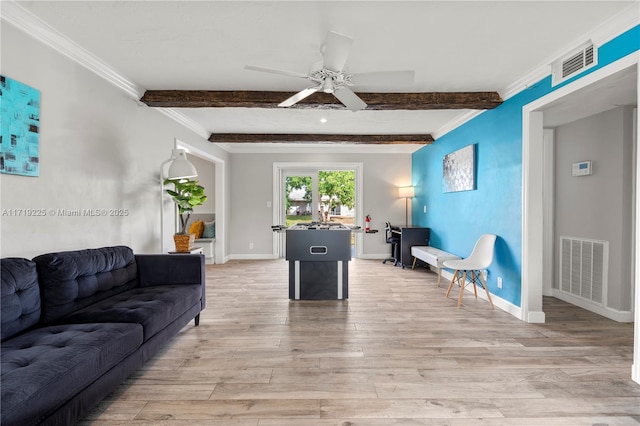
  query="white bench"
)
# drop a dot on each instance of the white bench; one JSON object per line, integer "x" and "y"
{"x": 432, "y": 256}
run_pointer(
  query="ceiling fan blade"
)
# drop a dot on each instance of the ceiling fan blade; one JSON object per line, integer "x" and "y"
{"x": 275, "y": 71}
{"x": 404, "y": 78}
{"x": 299, "y": 96}
{"x": 349, "y": 99}
{"x": 336, "y": 50}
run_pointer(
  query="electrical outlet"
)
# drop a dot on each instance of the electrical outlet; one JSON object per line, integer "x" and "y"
{"x": 499, "y": 282}
{"x": 250, "y": 246}
{"x": 424, "y": 209}
{"x": 485, "y": 274}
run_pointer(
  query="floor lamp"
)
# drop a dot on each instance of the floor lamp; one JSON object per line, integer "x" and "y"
{"x": 406, "y": 192}
{"x": 180, "y": 168}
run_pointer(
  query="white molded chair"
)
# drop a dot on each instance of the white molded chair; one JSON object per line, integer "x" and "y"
{"x": 479, "y": 259}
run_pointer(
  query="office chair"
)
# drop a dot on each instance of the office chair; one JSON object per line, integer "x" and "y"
{"x": 479, "y": 259}
{"x": 394, "y": 240}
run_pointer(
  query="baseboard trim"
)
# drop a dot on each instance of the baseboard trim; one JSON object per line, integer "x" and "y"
{"x": 267, "y": 256}
{"x": 536, "y": 317}
{"x": 612, "y": 314}
{"x": 373, "y": 256}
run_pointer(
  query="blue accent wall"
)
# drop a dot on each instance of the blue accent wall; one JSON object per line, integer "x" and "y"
{"x": 457, "y": 219}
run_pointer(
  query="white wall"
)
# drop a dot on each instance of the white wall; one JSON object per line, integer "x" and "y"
{"x": 99, "y": 149}
{"x": 252, "y": 187}
{"x": 598, "y": 206}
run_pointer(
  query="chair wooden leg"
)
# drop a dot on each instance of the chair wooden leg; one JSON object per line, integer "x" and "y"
{"x": 484, "y": 284}
{"x": 413, "y": 266}
{"x": 462, "y": 280}
{"x": 453, "y": 279}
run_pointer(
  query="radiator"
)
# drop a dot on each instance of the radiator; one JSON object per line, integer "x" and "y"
{"x": 583, "y": 268}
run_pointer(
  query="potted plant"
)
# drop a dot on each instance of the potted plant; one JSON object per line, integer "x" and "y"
{"x": 187, "y": 194}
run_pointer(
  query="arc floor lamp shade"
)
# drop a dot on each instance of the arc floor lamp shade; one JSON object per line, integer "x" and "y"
{"x": 180, "y": 167}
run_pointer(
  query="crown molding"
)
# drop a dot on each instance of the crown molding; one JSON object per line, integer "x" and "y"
{"x": 19, "y": 17}
{"x": 456, "y": 122}
{"x": 185, "y": 121}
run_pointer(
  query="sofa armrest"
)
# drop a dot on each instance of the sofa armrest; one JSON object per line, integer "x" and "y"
{"x": 171, "y": 269}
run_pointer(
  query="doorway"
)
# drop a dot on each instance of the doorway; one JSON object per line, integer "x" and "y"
{"x": 317, "y": 192}
{"x": 535, "y": 201}
{"x": 221, "y": 201}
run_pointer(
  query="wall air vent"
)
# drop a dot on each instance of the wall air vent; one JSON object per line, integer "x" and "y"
{"x": 584, "y": 267}
{"x": 575, "y": 62}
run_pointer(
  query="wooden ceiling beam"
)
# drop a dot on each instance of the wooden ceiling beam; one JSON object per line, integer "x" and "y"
{"x": 319, "y": 100}
{"x": 421, "y": 139}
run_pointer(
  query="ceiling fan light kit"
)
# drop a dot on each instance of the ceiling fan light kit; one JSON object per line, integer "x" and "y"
{"x": 331, "y": 76}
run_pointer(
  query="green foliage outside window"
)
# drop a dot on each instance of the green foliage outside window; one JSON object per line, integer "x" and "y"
{"x": 335, "y": 188}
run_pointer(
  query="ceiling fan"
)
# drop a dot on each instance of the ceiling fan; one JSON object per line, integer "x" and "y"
{"x": 331, "y": 76}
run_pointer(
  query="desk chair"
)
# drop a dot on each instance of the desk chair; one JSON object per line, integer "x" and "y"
{"x": 479, "y": 259}
{"x": 394, "y": 240}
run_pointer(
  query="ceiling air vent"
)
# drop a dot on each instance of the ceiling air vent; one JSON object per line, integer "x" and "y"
{"x": 575, "y": 62}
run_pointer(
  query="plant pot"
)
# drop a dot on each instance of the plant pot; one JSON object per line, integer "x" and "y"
{"x": 184, "y": 242}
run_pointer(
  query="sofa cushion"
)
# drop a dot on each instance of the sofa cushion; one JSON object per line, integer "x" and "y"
{"x": 72, "y": 280}
{"x": 196, "y": 228}
{"x": 153, "y": 307}
{"x": 209, "y": 230}
{"x": 20, "y": 295}
{"x": 44, "y": 368}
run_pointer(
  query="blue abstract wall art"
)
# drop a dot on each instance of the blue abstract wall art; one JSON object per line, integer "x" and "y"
{"x": 19, "y": 128}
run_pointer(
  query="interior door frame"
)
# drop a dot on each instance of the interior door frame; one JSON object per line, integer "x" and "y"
{"x": 533, "y": 243}
{"x": 221, "y": 198}
{"x": 280, "y": 170}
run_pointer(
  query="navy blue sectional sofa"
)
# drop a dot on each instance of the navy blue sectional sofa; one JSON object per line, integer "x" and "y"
{"x": 76, "y": 324}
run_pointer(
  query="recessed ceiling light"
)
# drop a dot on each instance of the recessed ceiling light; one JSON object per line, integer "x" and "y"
{"x": 323, "y": 120}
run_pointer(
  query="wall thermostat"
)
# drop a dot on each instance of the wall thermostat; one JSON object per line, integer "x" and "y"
{"x": 582, "y": 168}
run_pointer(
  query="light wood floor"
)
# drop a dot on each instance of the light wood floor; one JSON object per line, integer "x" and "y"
{"x": 396, "y": 353}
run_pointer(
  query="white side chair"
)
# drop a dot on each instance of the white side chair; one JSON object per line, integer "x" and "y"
{"x": 479, "y": 259}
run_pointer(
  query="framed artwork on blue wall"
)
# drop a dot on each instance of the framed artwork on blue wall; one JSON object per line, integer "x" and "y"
{"x": 459, "y": 170}
{"x": 19, "y": 128}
